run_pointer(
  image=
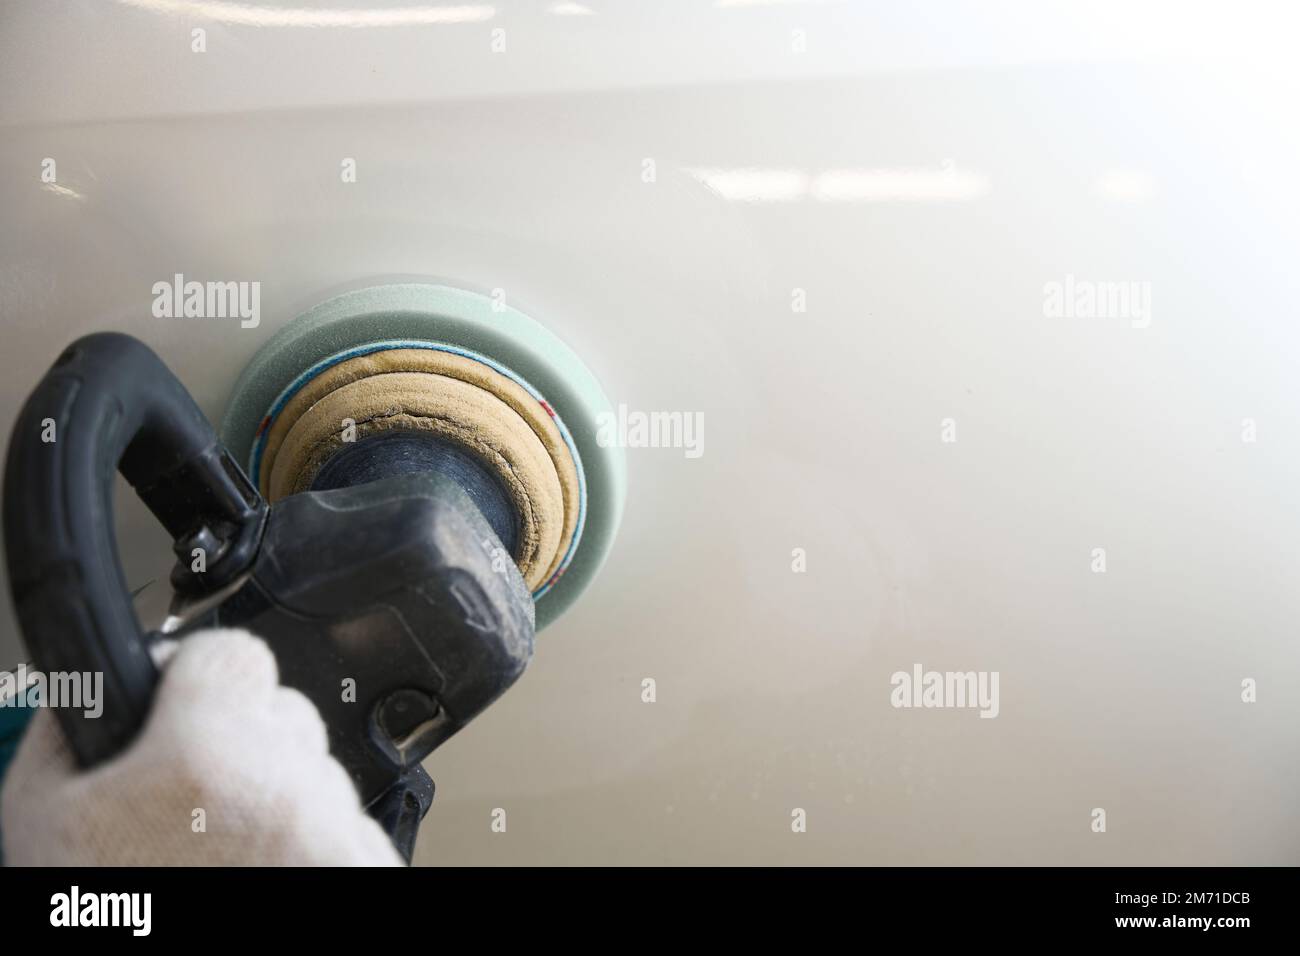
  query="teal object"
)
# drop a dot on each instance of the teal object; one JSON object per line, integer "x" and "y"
{"x": 426, "y": 315}
{"x": 15, "y": 715}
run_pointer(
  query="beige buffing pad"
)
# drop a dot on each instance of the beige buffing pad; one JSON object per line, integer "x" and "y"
{"x": 459, "y": 399}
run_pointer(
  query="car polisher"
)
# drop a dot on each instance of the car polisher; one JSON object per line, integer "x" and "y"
{"x": 421, "y": 489}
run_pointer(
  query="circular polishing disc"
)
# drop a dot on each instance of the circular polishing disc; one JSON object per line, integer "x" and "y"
{"x": 465, "y": 366}
{"x": 455, "y": 398}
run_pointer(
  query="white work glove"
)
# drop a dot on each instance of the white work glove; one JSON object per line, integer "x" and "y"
{"x": 223, "y": 737}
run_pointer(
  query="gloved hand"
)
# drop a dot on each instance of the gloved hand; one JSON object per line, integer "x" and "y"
{"x": 224, "y": 738}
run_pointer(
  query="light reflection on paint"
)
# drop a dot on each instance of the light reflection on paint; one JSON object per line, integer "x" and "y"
{"x": 254, "y": 15}
{"x": 942, "y": 183}
{"x": 568, "y": 9}
{"x": 1124, "y": 185}
{"x": 65, "y": 191}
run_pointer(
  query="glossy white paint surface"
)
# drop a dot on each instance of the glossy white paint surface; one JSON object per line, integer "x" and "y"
{"x": 922, "y": 177}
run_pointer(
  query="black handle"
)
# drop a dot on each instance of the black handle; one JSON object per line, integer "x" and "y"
{"x": 109, "y": 404}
